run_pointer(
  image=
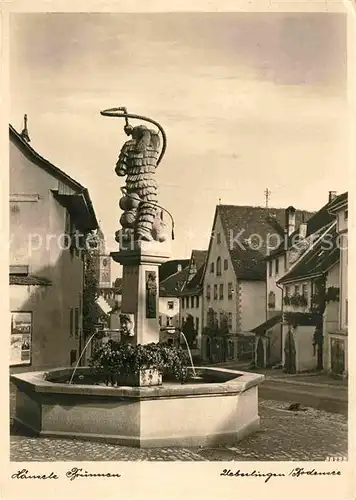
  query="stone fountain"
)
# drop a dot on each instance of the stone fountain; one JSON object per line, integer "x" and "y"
{"x": 219, "y": 406}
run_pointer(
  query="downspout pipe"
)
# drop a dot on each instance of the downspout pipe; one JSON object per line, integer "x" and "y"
{"x": 281, "y": 288}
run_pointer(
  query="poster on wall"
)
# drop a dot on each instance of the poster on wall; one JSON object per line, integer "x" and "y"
{"x": 21, "y": 336}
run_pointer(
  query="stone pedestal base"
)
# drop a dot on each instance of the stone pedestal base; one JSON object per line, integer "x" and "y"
{"x": 140, "y": 287}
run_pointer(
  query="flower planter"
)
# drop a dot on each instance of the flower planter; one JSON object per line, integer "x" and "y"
{"x": 144, "y": 378}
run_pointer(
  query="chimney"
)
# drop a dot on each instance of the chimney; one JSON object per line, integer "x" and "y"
{"x": 332, "y": 195}
{"x": 303, "y": 230}
{"x": 290, "y": 220}
{"x": 24, "y": 133}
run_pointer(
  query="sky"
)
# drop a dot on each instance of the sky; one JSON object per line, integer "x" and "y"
{"x": 248, "y": 101}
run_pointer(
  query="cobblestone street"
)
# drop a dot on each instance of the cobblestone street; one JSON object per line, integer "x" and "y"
{"x": 284, "y": 435}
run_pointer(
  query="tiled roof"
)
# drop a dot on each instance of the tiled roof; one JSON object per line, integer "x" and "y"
{"x": 264, "y": 327}
{"x": 197, "y": 263}
{"x": 171, "y": 267}
{"x": 320, "y": 219}
{"x": 244, "y": 222}
{"x": 171, "y": 286}
{"x": 199, "y": 257}
{"x": 28, "y": 280}
{"x": 317, "y": 260}
{"x": 339, "y": 200}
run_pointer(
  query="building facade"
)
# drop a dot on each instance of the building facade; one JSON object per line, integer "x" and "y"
{"x": 306, "y": 293}
{"x": 280, "y": 258}
{"x": 169, "y": 293}
{"x": 191, "y": 298}
{"x": 234, "y": 298}
{"x": 336, "y": 311}
{"x": 50, "y": 216}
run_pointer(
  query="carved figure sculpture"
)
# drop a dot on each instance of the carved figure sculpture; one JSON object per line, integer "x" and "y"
{"x": 151, "y": 294}
{"x": 142, "y": 217}
{"x": 137, "y": 160}
{"x": 127, "y": 324}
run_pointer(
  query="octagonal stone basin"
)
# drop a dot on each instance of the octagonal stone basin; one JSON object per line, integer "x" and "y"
{"x": 220, "y": 408}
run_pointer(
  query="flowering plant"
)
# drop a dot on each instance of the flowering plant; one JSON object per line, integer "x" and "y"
{"x": 332, "y": 294}
{"x": 114, "y": 359}
{"x": 298, "y": 300}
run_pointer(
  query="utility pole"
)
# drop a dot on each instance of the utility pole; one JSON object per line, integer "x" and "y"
{"x": 267, "y": 196}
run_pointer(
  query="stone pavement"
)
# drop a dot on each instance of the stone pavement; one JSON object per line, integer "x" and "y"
{"x": 284, "y": 435}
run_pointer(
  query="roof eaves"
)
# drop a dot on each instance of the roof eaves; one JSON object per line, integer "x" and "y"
{"x": 47, "y": 165}
{"x": 305, "y": 255}
{"x": 340, "y": 202}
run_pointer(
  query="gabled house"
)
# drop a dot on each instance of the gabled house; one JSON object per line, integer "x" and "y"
{"x": 51, "y": 215}
{"x": 234, "y": 299}
{"x": 281, "y": 255}
{"x": 169, "y": 293}
{"x": 191, "y": 299}
{"x": 305, "y": 295}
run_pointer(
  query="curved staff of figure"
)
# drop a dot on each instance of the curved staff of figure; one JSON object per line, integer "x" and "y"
{"x": 138, "y": 161}
{"x": 113, "y": 113}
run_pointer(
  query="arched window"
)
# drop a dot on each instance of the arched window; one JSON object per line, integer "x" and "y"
{"x": 218, "y": 266}
{"x": 271, "y": 300}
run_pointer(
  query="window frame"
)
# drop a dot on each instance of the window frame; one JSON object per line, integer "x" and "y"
{"x": 218, "y": 266}
{"x": 30, "y": 335}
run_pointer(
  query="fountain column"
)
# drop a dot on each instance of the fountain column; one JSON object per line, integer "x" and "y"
{"x": 143, "y": 240}
{"x": 140, "y": 288}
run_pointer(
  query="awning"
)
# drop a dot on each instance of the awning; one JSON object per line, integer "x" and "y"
{"x": 264, "y": 327}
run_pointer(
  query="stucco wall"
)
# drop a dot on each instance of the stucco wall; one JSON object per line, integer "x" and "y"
{"x": 225, "y": 305}
{"x": 43, "y": 223}
{"x": 253, "y": 300}
{"x": 304, "y": 355}
{"x": 51, "y": 340}
{"x": 344, "y": 282}
{"x": 165, "y": 312}
{"x": 305, "y": 358}
{"x": 272, "y": 286}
